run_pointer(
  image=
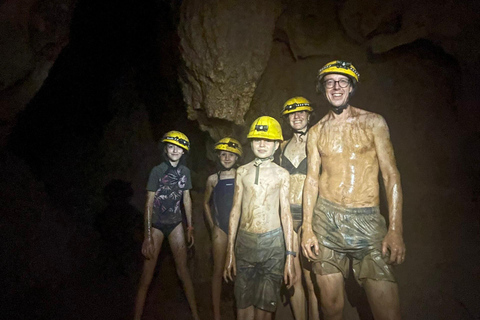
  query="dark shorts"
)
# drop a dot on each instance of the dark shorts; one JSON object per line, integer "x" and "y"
{"x": 260, "y": 263}
{"x": 297, "y": 216}
{"x": 350, "y": 233}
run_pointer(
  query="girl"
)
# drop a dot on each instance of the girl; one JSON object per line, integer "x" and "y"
{"x": 221, "y": 185}
{"x": 168, "y": 184}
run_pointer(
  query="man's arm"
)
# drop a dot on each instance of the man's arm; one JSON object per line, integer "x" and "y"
{"x": 393, "y": 241}
{"x": 230, "y": 264}
{"x": 187, "y": 203}
{"x": 287, "y": 225}
{"x": 310, "y": 193}
{"x": 206, "y": 201}
{"x": 147, "y": 246}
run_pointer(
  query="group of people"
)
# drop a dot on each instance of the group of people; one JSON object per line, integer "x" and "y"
{"x": 310, "y": 215}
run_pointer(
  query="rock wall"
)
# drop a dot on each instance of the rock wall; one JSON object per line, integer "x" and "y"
{"x": 32, "y": 34}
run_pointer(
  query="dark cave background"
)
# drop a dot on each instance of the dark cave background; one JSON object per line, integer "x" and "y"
{"x": 70, "y": 173}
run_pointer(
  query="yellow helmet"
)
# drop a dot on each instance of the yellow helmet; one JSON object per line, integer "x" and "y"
{"x": 177, "y": 138}
{"x": 265, "y": 128}
{"x": 230, "y": 145}
{"x": 296, "y": 104}
{"x": 340, "y": 67}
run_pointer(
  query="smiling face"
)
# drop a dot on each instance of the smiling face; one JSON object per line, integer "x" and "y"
{"x": 299, "y": 120}
{"x": 263, "y": 148}
{"x": 174, "y": 153}
{"x": 337, "y": 96}
{"x": 227, "y": 159}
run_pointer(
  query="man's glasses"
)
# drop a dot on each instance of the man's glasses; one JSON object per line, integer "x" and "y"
{"x": 330, "y": 83}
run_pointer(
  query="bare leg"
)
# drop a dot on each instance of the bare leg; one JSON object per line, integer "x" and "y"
{"x": 298, "y": 297}
{"x": 331, "y": 295}
{"x": 246, "y": 314}
{"x": 383, "y": 299}
{"x": 219, "y": 253}
{"x": 179, "y": 249}
{"x": 147, "y": 274}
{"x": 262, "y": 314}
{"x": 312, "y": 296}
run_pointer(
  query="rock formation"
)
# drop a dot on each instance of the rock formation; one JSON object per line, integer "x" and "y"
{"x": 32, "y": 35}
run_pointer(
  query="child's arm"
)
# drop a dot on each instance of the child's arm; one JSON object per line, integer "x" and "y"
{"x": 287, "y": 225}
{"x": 230, "y": 264}
{"x": 187, "y": 203}
{"x": 206, "y": 201}
{"x": 147, "y": 246}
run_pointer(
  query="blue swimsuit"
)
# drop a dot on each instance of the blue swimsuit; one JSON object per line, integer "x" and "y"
{"x": 223, "y": 202}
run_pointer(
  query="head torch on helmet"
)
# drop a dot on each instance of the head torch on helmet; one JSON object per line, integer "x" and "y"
{"x": 265, "y": 128}
{"x": 230, "y": 145}
{"x": 296, "y": 104}
{"x": 177, "y": 138}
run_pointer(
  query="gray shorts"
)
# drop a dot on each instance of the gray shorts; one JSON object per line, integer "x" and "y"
{"x": 260, "y": 259}
{"x": 350, "y": 233}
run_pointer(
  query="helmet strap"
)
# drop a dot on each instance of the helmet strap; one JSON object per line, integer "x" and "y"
{"x": 301, "y": 133}
{"x": 257, "y": 164}
{"x": 339, "y": 110}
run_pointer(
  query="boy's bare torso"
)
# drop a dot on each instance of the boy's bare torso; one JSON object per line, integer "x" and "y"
{"x": 260, "y": 202}
{"x": 349, "y": 174}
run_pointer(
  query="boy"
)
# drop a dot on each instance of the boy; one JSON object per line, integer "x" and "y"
{"x": 259, "y": 259}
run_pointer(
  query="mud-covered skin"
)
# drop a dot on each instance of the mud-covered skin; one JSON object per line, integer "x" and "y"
{"x": 260, "y": 202}
{"x": 295, "y": 150}
{"x": 349, "y": 159}
{"x": 256, "y": 206}
{"x": 351, "y": 148}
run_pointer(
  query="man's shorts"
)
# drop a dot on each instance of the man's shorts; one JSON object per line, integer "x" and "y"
{"x": 260, "y": 261}
{"x": 355, "y": 233}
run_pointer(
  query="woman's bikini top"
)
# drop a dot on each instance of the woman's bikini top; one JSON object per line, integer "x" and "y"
{"x": 287, "y": 164}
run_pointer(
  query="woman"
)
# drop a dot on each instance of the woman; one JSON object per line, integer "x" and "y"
{"x": 221, "y": 186}
{"x": 297, "y": 112}
{"x": 168, "y": 184}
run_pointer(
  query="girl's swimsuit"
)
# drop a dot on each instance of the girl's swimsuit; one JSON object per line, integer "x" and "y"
{"x": 169, "y": 183}
{"x": 223, "y": 201}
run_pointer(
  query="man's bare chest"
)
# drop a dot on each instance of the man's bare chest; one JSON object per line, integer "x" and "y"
{"x": 350, "y": 139}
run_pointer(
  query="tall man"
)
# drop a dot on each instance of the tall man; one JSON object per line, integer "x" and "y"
{"x": 342, "y": 220}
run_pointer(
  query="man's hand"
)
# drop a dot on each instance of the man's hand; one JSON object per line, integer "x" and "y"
{"x": 148, "y": 248}
{"x": 289, "y": 274}
{"x": 190, "y": 238}
{"x": 309, "y": 240}
{"x": 230, "y": 267}
{"x": 393, "y": 242}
